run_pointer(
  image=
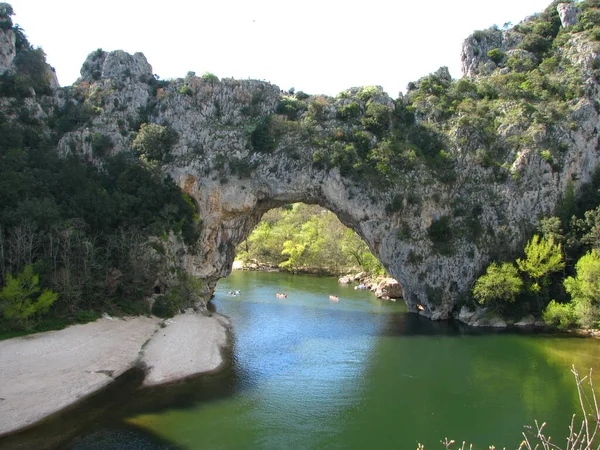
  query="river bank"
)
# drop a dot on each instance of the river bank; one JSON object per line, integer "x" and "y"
{"x": 45, "y": 373}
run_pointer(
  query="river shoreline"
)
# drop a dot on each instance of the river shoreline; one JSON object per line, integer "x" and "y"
{"x": 46, "y": 373}
{"x": 477, "y": 318}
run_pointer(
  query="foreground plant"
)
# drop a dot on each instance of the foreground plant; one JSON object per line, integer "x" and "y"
{"x": 582, "y": 436}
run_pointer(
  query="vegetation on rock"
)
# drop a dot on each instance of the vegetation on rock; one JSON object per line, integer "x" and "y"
{"x": 559, "y": 277}
{"x": 445, "y": 162}
{"x": 76, "y": 239}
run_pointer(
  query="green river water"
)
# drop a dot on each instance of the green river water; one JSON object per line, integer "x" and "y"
{"x": 361, "y": 373}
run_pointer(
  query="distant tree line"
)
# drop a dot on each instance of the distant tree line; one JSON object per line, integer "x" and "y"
{"x": 310, "y": 238}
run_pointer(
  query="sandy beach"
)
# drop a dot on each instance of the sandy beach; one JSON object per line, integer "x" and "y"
{"x": 44, "y": 373}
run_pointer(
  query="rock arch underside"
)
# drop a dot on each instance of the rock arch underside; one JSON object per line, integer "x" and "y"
{"x": 416, "y": 191}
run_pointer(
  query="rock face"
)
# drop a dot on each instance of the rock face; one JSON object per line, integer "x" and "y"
{"x": 7, "y": 49}
{"x": 474, "y": 53}
{"x": 117, "y": 65}
{"x": 568, "y": 14}
{"x": 244, "y": 147}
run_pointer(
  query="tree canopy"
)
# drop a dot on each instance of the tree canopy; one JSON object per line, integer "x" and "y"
{"x": 307, "y": 237}
{"x": 501, "y": 283}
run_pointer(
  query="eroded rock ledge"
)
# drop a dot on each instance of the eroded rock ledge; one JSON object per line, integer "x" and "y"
{"x": 46, "y": 372}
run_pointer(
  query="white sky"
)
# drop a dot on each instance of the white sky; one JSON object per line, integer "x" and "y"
{"x": 317, "y": 46}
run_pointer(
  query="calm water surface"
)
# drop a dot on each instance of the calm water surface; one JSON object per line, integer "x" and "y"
{"x": 361, "y": 373}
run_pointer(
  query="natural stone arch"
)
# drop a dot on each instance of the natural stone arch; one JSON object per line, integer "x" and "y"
{"x": 241, "y": 151}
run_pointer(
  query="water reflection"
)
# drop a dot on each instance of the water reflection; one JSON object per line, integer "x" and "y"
{"x": 369, "y": 375}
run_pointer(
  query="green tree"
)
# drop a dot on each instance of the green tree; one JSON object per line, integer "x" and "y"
{"x": 355, "y": 249}
{"x": 501, "y": 283}
{"x": 584, "y": 289}
{"x": 589, "y": 228}
{"x": 294, "y": 252}
{"x": 559, "y": 314}
{"x": 542, "y": 258}
{"x": 551, "y": 228}
{"x": 20, "y": 299}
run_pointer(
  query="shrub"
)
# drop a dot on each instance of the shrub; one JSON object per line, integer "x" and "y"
{"x": 319, "y": 159}
{"x": 350, "y": 111}
{"x": 440, "y": 233}
{"x": 367, "y": 93}
{"x": 291, "y": 107}
{"x": 210, "y": 77}
{"x": 396, "y": 204}
{"x": 496, "y": 55}
{"x": 501, "y": 283}
{"x": 32, "y": 71}
{"x": 377, "y": 118}
{"x": 262, "y": 137}
{"x": 168, "y": 305}
{"x": 343, "y": 156}
{"x": 535, "y": 43}
{"x": 479, "y": 35}
{"x": 100, "y": 144}
{"x": 559, "y": 314}
{"x": 317, "y": 109}
{"x": 186, "y": 90}
{"x": 154, "y": 141}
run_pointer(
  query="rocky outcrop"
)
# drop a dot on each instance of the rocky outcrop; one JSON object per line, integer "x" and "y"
{"x": 7, "y": 50}
{"x": 117, "y": 65}
{"x": 568, "y": 14}
{"x": 243, "y": 147}
{"x": 346, "y": 279}
{"x": 475, "y": 58}
{"x": 218, "y": 160}
{"x": 480, "y": 317}
{"x": 527, "y": 321}
{"x": 388, "y": 288}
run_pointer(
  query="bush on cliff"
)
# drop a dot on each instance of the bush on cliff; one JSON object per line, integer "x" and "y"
{"x": 154, "y": 141}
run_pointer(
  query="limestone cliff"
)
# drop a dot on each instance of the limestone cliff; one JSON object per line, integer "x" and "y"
{"x": 438, "y": 182}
